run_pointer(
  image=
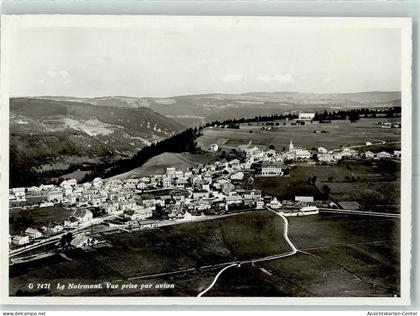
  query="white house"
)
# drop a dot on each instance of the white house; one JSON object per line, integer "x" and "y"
{"x": 57, "y": 229}
{"x": 369, "y": 155}
{"x": 259, "y": 204}
{"x": 233, "y": 199}
{"x": 275, "y": 204}
{"x": 322, "y": 150}
{"x": 45, "y": 187}
{"x": 33, "y": 233}
{"x": 327, "y": 158}
{"x": 383, "y": 155}
{"x": 214, "y": 147}
{"x": 20, "y": 240}
{"x": 252, "y": 195}
{"x": 87, "y": 185}
{"x": 67, "y": 190}
{"x": 237, "y": 175}
{"x": 305, "y": 116}
{"x": 305, "y": 199}
{"x": 348, "y": 152}
{"x": 308, "y": 210}
{"x": 397, "y": 153}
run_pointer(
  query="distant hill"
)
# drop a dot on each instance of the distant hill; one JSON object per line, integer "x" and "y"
{"x": 193, "y": 110}
{"x": 47, "y": 137}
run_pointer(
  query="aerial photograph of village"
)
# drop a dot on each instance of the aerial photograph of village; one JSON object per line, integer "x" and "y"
{"x": 254, "y": 164}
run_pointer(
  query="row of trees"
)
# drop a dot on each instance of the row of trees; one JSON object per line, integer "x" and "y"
{"x": 355, "y": 114}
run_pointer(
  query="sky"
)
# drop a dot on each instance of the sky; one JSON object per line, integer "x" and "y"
{"x": 161, "y": 62}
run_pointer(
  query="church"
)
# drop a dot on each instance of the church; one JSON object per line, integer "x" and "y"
{"x": 297, "y": 153}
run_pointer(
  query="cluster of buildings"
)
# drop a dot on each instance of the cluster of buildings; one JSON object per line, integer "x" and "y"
{"x": 325, "y": 156}
{"x": 140, "y": 202}
{"x": 78, "y": 217}
{"x": 389, "y": 125}
{"x": 177, "y": 194}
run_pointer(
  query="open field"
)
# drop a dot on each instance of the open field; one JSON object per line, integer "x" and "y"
{"x": 248, "y": 235}
{"x": 349, "y": 256}
{"x": 158, "y": 164}
{"x": 337, "y": 133}
{"x": 290, "y": 186}
{"x": 345, "y": 256}
{"x": 20, "y": 219}
{"x": 376, "y": 187}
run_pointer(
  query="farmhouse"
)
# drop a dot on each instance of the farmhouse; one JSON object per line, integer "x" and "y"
{"x": 20, "y": 240}
{"x": 214, "y": 147}
{"x": 369, "y": 155}
{"x": 252, "y": 195}
{"x": 45, "y": 187}
{"x": 234, "y": 164}
{"x": 305, "y": 116}
{"x": 72, "y": 222}
{"x": 237, "y": 175}
{"x": 33, "y": 233}
{"x": 348, "y": 152}
{"x": 383, "y": 155}
{"x": 305, "y": 199}
{"x": 322, "y": 150}
{"x": 70, "y": 182}
{"x": 57, "y": 229}
{"x": 327, "y": 158}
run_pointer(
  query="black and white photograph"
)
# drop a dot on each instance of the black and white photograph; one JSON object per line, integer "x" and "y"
{"x": 206, "y": 159}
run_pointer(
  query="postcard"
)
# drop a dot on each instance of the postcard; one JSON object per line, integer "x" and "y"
{"x": 205, "y": 160}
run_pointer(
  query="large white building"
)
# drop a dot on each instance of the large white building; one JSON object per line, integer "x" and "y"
{"x": 271, "y": 169}
{"x": 55, "y": 196}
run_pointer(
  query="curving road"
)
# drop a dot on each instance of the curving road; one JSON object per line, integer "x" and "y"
{"x": 216, "y": 277}
{"x": 293, "y": 251}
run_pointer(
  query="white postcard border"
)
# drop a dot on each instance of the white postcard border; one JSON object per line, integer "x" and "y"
{"x": 10, "y": 22}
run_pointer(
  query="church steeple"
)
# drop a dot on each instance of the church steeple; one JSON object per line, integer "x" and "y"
{"x": 291, "y": 146}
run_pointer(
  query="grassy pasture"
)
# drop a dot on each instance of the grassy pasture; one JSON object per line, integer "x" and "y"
{"x": 248, "y": 235}
{"x": 20, "y": 219}
{"x": 348, "y": 256}
{"x": 375, "y": 188}
{"x": 158, "y": 164}
{"x": 337, "y": 133}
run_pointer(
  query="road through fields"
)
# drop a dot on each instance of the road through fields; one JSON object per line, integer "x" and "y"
{"x": 293, "y": 251}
